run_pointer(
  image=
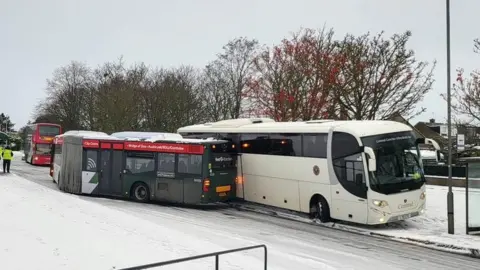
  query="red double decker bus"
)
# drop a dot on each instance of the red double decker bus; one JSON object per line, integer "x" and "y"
{"x": 38, "y": 143}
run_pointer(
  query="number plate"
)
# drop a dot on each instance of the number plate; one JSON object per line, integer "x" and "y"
{"x": 403, "y": 217}
{"x": 223, "y": 188}
{"x": 223, "y": 194}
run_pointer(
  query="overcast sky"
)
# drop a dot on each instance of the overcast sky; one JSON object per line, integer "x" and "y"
{"x": 38, "y": 36}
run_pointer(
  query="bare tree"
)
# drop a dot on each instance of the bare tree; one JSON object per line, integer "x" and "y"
{"x": 171, "y": 99}
{"x": 379, "y": 77}
{"x": 118, "y": 102}
{"x": 226, "y": 78}
{"x": 66, "y": 95}
{"x": 218, "y": 99}
{"x": 466, "y": 91}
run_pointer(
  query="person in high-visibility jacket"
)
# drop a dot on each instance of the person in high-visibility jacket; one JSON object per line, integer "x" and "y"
{"x": 1, "y": 151}
{"x": 7, "y": 158}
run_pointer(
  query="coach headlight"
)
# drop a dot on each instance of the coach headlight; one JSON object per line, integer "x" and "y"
{"x": 380, "y": 203}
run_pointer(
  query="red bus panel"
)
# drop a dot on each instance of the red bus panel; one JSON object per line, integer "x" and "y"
{"x": 106, "y": 145}
{"x": 91, "y": 143}
{"x": 165, "y": 147}
{"x": 118, "y": 146}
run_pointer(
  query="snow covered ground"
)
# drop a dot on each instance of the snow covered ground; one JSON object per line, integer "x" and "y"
{"x": 50, "y": 230}
{"x": 432, "y": 226}
{"x": 43, "y": 228}
{"x": 429, "y": 230}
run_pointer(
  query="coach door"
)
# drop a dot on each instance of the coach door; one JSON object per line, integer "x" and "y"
{"x": 111, "y": 164}
{"x": 347, "y": 174}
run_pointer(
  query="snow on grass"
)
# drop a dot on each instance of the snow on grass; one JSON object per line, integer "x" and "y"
{"x": 44, "y": 228}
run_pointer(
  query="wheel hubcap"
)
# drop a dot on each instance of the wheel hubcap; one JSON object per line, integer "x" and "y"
{"x": 141, "y": 192}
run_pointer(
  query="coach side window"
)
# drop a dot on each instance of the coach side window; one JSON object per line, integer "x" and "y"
{"x": 255, "y": 144}
{"x": 90, "y": 160}
{"x": 348, "y": 163}
{"x": 315, "y": 145}
{"x": 285, "y": 144}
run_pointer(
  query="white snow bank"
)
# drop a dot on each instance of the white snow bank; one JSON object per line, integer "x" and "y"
{"x": 45, "y": 228}
{"x": 432, "y": 226}
{"x": 17, "y": 155}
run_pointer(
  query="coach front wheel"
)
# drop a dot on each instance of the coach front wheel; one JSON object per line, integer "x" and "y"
{"x": 320, "y": 210}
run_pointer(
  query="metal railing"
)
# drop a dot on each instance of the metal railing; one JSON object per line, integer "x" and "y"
{"x": 191, "y": 258}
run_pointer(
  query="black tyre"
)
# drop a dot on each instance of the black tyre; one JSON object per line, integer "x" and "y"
{"x": 140, "y": 192}
{"x": 320, "y": 210}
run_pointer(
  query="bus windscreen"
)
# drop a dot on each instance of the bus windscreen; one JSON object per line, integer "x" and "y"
{"x": 43, "y": 149}
{"x": 49, "y": 130}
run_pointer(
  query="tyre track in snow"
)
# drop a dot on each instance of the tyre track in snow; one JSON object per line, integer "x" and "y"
{"x": 282, "y": 233}
{"x": 324, "y": 247}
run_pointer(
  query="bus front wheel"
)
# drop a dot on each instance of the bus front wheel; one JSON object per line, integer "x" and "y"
{"x": 140, "y": 192}
{"x": 319, "y": 209}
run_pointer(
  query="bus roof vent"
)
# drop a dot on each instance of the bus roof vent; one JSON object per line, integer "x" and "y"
{"x": 234, "y": 123}
{"x": 319, "y": 121}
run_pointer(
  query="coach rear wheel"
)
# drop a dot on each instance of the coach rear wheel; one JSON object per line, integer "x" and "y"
{"x": 319, "y": 210}
{"x": 140, "y": 192}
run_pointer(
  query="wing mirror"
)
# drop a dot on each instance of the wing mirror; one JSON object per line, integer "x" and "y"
{"x": 372, "y": 162}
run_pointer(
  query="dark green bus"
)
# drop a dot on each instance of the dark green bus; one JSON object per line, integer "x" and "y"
{"x": 182, "y": 171}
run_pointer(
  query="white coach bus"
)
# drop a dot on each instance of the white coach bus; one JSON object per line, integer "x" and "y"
{"x": 357, "y": 171}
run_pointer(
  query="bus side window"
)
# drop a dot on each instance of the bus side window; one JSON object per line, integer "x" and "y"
{"x": 190, "y": 164}
{"x": 166, "y": 165}
{"x": 137, "y": 163}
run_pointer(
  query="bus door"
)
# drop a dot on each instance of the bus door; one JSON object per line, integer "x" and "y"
{"x": 111, "y": 165}
{"x": 168, "y": 184}
{"x": 189, "y": 171}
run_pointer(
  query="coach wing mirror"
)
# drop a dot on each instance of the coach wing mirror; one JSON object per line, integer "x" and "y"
{"x": 372, "y": 162}
{"x": 428, "y": 141}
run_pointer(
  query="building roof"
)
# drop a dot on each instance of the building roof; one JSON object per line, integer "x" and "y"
{"x": 430, "y": 133}
{"x": 399, "y": 118}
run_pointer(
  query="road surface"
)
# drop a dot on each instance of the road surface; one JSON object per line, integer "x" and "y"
{"x": 317, "y": 247}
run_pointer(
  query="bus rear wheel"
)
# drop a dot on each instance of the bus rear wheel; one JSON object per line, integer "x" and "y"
{"x": 319, "y": 209}
{"x": 140, "y": 192}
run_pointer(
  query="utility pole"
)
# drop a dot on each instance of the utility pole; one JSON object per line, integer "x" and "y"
{"x": 450, "y": 211}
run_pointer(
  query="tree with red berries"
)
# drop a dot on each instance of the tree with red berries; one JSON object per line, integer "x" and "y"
{"x": 293, "y": 80}
{"x": 379, "y": 77}
{"x": 312, "y": 76}
{"x": 466, "y": 91}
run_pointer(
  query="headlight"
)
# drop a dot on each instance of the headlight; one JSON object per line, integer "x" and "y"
{"x": 423, "y": 195}
{"x": 380, "y": 203}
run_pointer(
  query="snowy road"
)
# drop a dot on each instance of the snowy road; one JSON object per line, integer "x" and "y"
{"x": 292, "y": 245}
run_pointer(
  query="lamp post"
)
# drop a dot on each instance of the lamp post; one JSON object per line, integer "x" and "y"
{"x": 451, "y": 225}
